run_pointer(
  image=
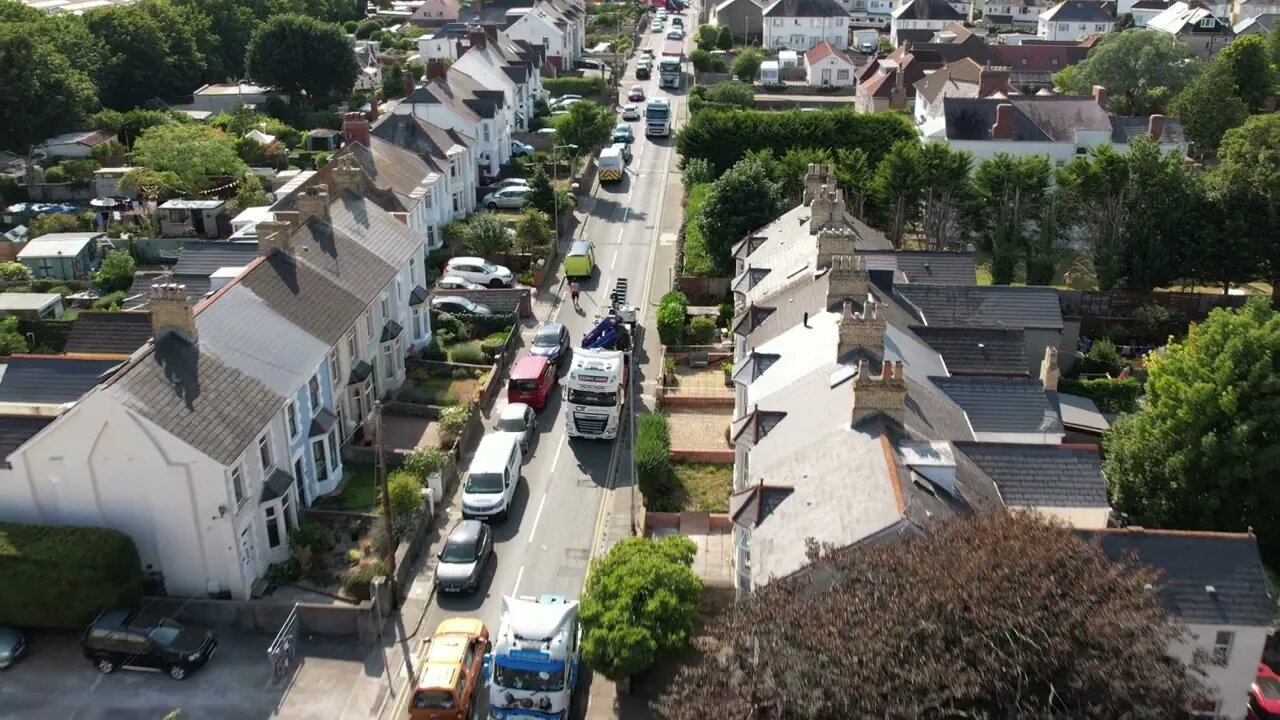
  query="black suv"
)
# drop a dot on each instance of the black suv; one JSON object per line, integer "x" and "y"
{"x": 133, "y": 640}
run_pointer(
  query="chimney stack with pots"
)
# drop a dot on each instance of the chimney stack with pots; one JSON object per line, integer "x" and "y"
{"x": 477, "y": 36}
{"x": 818, "y": 174}
{"x": 1003, "y": 127}
{"x": 885, "y": 393}
{"x": 1100, "y": 96}
{"x": 491, "y": 29}
{"x": 277, "y": 235}
{"x": 861, "y": 332}
{"x": 833, "y": 242}
{"x": 993, "y": 79}
{"x": 847, "y": 278}
{"x": 410, "y": 84}
{"x": 827, "y": 209}
{"x": 355, "y": 129}
{"x": 313, "y": 201}
{"x": 1155, "y": 127}
{"x": 171, "y": 312}
{"x": 1049, "y": 372}
{"x": 346, "y": 175}
{"x": 898, "y": 97}
{"x": 437, "y": 69}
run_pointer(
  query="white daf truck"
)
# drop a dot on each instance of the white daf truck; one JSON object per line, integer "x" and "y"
{"x": 595, "y": 390}
{"x": 533, "y": 666}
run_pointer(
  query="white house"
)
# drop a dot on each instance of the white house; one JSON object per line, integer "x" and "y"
{"x": 1071, "y": 20}
{"x": 558, "y": 26}
{"x": 921, "y": 15}
{"x": 453, "y": 101}
{"x": 204, "y": 443}
{"x": 1215, "y": 584}
{"x": 827, "y": 65}
{"x": 1061, "y": 128}
{"x": 800, "y": 24}
{"x": 1246, "y": 9}
{"x": 370, "y": 77}
{"x": 491, "y": 62}
{"x": 451, "y": 153}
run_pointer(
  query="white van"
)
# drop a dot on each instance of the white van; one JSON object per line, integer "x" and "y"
{"x": 490, "y": 485}
{"x": 612, "y": 166}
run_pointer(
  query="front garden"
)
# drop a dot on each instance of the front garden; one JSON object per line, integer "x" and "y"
{"x": 669, "y": 486}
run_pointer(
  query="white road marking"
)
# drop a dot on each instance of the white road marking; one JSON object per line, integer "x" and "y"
{"x": 515, "y": 589}
{"x": 559, "y": 448}
{"x": 534, "y": 530}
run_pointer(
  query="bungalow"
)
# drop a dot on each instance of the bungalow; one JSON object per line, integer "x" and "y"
{"x": 826, "y": 65}
{"x": 223, "y": 97}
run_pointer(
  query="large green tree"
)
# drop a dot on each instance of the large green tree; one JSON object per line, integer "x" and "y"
{"x": 153, "y": 51}
{"x": 1249, "y": 63}
{"x": 295, "y": 53}
{"x": 741, "y": 200}
{"x": 996, "y": 616}
{"x": 947, "y": 193}
{"x": 1141, "y": 70}
{"x": 197, "y": 155}
{"x": 1010, "y": 186}
{"x": 639, "y": 604}
{"x": 586, "y": 125}
{"x": 1246, "y": 183}
{"x": 43, "y": 95}
{"x": 231, "y": 27}
{"x": 1209, "y": 107}
{"x": 1201, "y": 453}
{"x": 899, "y": 189}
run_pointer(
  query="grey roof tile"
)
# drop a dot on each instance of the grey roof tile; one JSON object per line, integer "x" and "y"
{"x": 1041, "y": 475}
{"x": 1189, "y": 563}
{"x": 978, "y": 351}
{"x": 1002, "y": 405}
{"x": 983, "y": 306}
{"x": 119, "y": 333}
{"x": 16, "y": 431}
{"x": 920, "y": 267}
{"x": 805, "y": 9}
{"x": 52, "y": 379}
{"x": 1083, "y": 11}
{"x": 205, "y": 258}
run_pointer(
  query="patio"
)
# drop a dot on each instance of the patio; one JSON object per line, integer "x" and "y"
{"x": 410, "y": 433}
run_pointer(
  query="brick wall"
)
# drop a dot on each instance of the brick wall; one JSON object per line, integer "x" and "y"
{"x": 686, "y": 401}
{"x": 718, "y": 457}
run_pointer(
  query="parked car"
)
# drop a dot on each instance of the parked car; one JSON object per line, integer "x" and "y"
{"x": 655, "y": 26}
{"x": 453, "y": 282}
{"x": 480, "y": 271}
{"x": 520, "y": 420}
{"x": 630, "y": 112}
{"x": 12, "y": 645}
{"x": 489, "y": 489}
{"x": 624, "y": 150}
{"x": 509, "y": 198}
{"x": 509, "y": 183}
{"x": 450, "y": 672}
{"x": 636, "y": 94}
{"x": 463, "y": 558}
{"x": 552, "y": 341}
{"x": 519, "y": 149}
{"x": 622, "y": 134}
{"x": 455, "y": 305}
{"x": 138, "y": 641}
{"x": 644, "y": 69}
{"x": 675, "y": 35}
{"x": 677, "y": 23}
{"x": 564, "y": 101}
{"x": 1264, "y": 695}
{"x": 647, "y": 54}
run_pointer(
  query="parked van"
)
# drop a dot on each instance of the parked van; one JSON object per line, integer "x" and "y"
{"x": 532, "y": 378}
{"x": 450, "y": 671}
{"x": 580, "y": 262}
{"x": 490, "y": 484}
{"x": 612, "y": 166}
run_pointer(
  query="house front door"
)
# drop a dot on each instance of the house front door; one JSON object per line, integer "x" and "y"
{"x": 826, "y": 76}
{"x": 300, "y": 483}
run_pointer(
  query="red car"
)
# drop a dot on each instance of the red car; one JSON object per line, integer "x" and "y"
{"x": 1264, "y": 695}
{"x": 637, "y": 93}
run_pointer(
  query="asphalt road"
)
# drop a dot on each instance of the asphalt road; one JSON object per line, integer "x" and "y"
{"x": 546, "y": 545}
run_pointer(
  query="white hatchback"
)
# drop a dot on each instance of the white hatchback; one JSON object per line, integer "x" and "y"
{"x": 480, "y": 271}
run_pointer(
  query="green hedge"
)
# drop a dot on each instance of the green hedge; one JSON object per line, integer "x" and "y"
{"x": 61, "y": 577}
{"x": 587, "y": 87}
{"x": 653, "y": 462}
{"x": 671, "y": 313}
{"x": 697, "y": 259}
{"x": 1109, "y": 394}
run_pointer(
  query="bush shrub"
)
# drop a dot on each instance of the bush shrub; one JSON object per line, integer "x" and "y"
{"x": 403, "y": 488}
{"x": 702, "y": 331}
{"x": 653, "y": 462}
{"x": 701, "y": 60}
{"x": 492, "y": 346}
{"x": 14, "y": 272}
{"x": 1109, "y": 394}
{"x": 587, "y": 87}
{"x": 724, "y": 315}
{"x": 1102, "y": 358}
{"x": 1155, "y": 323}
{"x": 452, "y": 420}
{"x": 110, "y": 301}
{"x": 423, "y": 462}
{"x": 697, "y": 171}
{"x": 450, "y": 328}
{"x": 482, "y": 326}
{"x": 671, "y": 312}
{"x": 467, "y": 354}
{"x": 115, "y": 273}
{"x": 61, "y": 577}
{"x": 358, "y": 580}
{"x": 719, "y": 65}
{"x": 697, "y": 256}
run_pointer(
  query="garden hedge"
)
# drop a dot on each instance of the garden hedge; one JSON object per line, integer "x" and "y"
{"x": 1111, "y": 395}
{"x": 653, "y": 462}
{"x": 671, "y": 311}
{"x": 62, "y": 577}
{"x": 588, "y": 87}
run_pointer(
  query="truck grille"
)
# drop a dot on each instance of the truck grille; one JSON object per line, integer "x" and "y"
{"x": 590, "y": 424}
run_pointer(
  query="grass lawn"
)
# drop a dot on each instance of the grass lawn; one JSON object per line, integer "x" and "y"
{"x": 447, "y": 390}
{"x": 360, "y": 492}
{"x": 467, "y": 352}
{"x": 697, "y": 259}
{"x": 706, "y": 486}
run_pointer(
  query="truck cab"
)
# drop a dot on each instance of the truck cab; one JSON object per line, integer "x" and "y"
{"x": 534, "y": 665}
{"x": 657, "y": 117}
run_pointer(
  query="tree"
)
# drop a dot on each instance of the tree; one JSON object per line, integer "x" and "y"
{"x": 153, "y": 51}
{"x": 1159, "y": 225}
{"x": 1246, "y": 184}
{"x": 1004, "y": 251}
{"x": 899, "y": 188}
{"x": 1247, "y": 59}
{"x": 741, "y": 200}
{"x": 71, "y": 36}
{"x": 297, "y": 54}
{"x": 1200, "y": 453}
{"x": 44, "y": 95}
{"x": 1141, "y": 70}
{"x": 197, "y": 155}
{"x": 130, "y": 125}
{"x": 1009, "y": 186}
{"x": 724, "y": 38}
{"x": 486, "y": 234}
{"x": 541, "y": 195}
{"x": 115, "y": 273}
{"x": 1095, "y": 192}
{"x": 11, "y": 338}
{"x": 586, "y": 125}
{"x": 533, "y": 230}
{"x": 747, "y": 65}
{"x": 701, "y": 59}
{"x": 14, "y": 272}
{"x": 946, "y": 192}
{"x": 1042, "y": 250}
{"x": 639, "y": 604}
{"x": 367, "y": 28}
{"x": 393, "y": 81}
{"x": 995, "y": 616}
{"x": 1209, "y": 107}
{"x": 55, "y": 223}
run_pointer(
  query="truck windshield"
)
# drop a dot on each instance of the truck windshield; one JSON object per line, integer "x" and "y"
{"x": 655, "y": 112}
{"x": 594, "y": 399}
{"x": 670, "y": 65}
{"x": 483, "y": 483}
{"x": 535, "y": 680}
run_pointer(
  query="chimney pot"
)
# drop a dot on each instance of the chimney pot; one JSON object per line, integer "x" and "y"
{"x": 313, "y": 200}
{"x": 410, "y": 83}
{"x": 1049, "y": 373}
{"x": 171, "y": 312}
{"x": 862, "y": 333}
{"x": 1100, "y": 96}
{"x": 1155, "y": 126}
{"x": 886, "y": 394}
{"x": 437, "y": 69}
{"x": 1003, "y": 127}
{"x": 477, "y": 36}
{"x": 993, "y": 79}
{"x": 355, "y": 129}
{"x": 275, "y": 235}
{"x": 346, "y": 174}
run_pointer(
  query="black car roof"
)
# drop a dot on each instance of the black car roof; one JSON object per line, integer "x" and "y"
{"x": 112, "y": 618}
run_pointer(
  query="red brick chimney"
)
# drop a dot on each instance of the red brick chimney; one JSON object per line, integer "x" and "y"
{"x": 491, "y": 29}
{"x": 409, "y": 83}
{"x": 477, "y": 36}
{"x": 1155, "y": 126}
{"x": 373, "y": 111}
{"x": 1100, "y": 96}
{"x": 355, "y": 129}
{"x": 993, "y": 79}
{"x": 1003, "y": 127}
{"x": 437, "y": 70}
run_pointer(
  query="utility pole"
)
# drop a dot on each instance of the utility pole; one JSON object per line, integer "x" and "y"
{"x": 386, "y": 505}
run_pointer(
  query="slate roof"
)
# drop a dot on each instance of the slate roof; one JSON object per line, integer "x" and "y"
{"x": 119, "y": 333}
{"x": 926, "y": 10}
{"x": 1036, "y": 118}
{"x": 1125, "y": 129}
{"x": 978, "y": 351}
{"x": 1079, "y": 11}
{"x": 51, "y": 379}
{"x": 1191, "y": 562}
{"x": 983, "y": 306}
{"x": 16, "y": 431}
{"x": 804, "y": 9}
{"x": 1041, "y": 475}
{"x": 1263, "y": 24}
{"x": 205, "y": 258}
{"x": 429, "y": 142}
{"x": 924, "y": 266}
{"x": 1002, "y": 405}
{"x": 1048, "y": 58}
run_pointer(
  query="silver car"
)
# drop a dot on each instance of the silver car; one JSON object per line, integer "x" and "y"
{"x": 511, "y": 198}
{"x": 463, "y": 558}
{"x": 520, "y": 420}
